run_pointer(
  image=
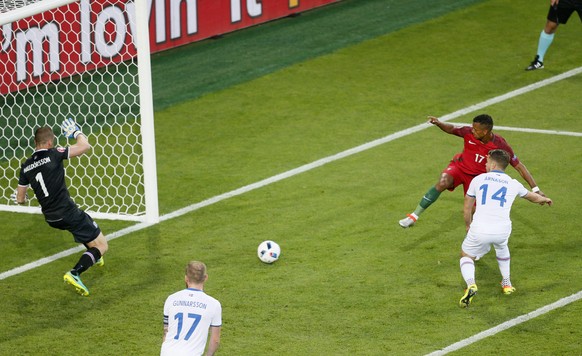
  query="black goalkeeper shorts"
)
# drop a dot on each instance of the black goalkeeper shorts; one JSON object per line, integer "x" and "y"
{"x": 562, "y": 12}
{"x": 78, "y": 223}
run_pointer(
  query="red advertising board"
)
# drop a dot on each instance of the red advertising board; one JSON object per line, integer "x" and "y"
{"x": 170, "y": 25}
{"x": 89, "y": 34}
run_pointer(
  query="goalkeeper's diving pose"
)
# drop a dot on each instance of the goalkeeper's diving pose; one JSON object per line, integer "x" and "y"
{"x": 45, "y": 173}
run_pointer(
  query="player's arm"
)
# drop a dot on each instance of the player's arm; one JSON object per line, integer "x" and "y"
{"x": 165, "y": 333}
{"x": 21, "y": 194}
{"x": 538, "y": 199}
{"x": 80, "y": 147}
{"x": 468, "y": 210}
{"x": 214, "y": 341}
{"x": 526, "y": 175}
{"x": 446, "y": 127}
{"x": 72, "y": 130}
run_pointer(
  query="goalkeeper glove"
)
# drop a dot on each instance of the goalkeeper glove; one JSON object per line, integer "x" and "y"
{"x": 70, "y": 128}
{"x": 15, "y": 200}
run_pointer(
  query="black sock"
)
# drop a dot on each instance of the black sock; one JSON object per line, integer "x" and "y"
{"x": 87, "y": 260}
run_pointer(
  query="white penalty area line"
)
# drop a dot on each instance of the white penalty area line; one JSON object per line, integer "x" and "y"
{"x": 508, "y": 324}
{"x": 547, "y": 132}
{"x": 301, "y": 169}
{"x": 538, "y": 131}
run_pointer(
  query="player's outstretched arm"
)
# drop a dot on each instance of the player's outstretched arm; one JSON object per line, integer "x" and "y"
{"x": 80, "y": 147}
{"x": 538, "y": 199}
{"x": 72, "y": 130}
{"x": 446, "y": 127}
{"x": 526, "y": 175}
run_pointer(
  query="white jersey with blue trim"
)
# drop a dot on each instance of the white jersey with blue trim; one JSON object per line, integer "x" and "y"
{"x": 189, "y": 314}
{"x": 494, "y": 192}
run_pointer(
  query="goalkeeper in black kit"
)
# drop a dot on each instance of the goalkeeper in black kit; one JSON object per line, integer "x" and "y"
{"x": 45, "y": 173}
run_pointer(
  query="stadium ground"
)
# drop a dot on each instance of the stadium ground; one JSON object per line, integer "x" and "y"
{"x": 454, "y": 347}
{"x": 350, "y": 281}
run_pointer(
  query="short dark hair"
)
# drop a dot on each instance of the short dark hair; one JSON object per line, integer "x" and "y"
{"x": 43, "y": 135}
{"x": 501, "y": 157}
{"x": 485, "y": 120}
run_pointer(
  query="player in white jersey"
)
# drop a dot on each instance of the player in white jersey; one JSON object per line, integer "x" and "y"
{"x": 189, "y": 315}
{"x": 492, "y": 195}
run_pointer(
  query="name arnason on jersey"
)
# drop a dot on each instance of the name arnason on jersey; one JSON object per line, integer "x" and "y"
{"x": 37, "y": 164}
{"x": 189, "y": 303}
{"x": 497, "y": 180}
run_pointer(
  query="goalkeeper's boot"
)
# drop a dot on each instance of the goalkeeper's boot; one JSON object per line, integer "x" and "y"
{"x": 468, "y": 296}
{"x": 75, "y": 281}
{"x": 408, "y": 221}
{"x": 535, "y": 64}
{"x": 507, "y": 289}
{"x": 100, "y": 262}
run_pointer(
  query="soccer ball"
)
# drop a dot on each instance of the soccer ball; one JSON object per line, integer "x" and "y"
{"x": 268, "y": 251}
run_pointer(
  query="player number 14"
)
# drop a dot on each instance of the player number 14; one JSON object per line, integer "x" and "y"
{"x": 499, "y": 195}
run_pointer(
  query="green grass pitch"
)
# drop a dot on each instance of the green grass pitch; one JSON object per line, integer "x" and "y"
{"x": 350, "y": 281}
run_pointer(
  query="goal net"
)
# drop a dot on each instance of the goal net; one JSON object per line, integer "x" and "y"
{"x": 89, "y": 61}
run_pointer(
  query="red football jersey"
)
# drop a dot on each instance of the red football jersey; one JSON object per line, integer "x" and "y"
{"x": 474, "y": 156}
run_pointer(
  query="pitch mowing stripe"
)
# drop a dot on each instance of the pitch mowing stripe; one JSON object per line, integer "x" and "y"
{"x": 508, "y": 324}
{"x": 305, "y": 168}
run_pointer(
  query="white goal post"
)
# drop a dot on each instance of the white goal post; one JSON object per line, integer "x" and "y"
{"x": 90, "y": 61}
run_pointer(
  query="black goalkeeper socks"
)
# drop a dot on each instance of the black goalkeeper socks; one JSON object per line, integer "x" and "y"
{"x": 87, "y": 260}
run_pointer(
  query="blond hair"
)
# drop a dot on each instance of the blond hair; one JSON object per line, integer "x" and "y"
{"x": 196, "y": 272}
